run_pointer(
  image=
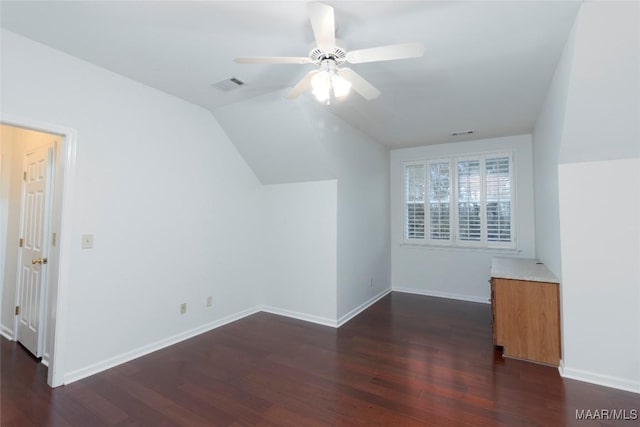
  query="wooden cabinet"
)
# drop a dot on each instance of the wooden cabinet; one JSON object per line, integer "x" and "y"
{"x": 526, "y": 318}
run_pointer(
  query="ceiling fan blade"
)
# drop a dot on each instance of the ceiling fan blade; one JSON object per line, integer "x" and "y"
{"x": 386, "y": 53}
{"x": 302, "y": 85}
{"x": 359, "y": 84}
{"x": 324, "y": 25}
{"x": 272, "y": 60}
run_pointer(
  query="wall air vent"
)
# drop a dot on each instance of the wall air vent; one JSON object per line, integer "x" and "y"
{"x": 228, "y": 84}
{"x": 462, "y": 132}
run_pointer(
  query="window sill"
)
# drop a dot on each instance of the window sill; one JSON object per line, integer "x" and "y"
{"x": 494, "y": 251}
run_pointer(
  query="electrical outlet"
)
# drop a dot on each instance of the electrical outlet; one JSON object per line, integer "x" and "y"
{"x": 87, "y": 241}
{"x": 183, "y": 308}
{"x": 209, "y": 301}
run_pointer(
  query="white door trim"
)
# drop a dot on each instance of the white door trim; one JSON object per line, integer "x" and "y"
{"x": 65, "y": 164}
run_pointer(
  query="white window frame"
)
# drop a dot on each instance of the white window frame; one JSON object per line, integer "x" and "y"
{"x": 454, "y": 240}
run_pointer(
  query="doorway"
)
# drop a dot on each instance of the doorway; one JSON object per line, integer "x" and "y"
{"x": 36, "y": 165}
{"x": 27, "y": 193}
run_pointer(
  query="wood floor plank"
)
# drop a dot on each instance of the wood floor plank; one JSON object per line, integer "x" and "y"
{"x": 104, "y": 410}
{"x": 408, "y": 360}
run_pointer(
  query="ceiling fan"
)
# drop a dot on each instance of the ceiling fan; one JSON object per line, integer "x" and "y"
{"x": 330, "y": 77}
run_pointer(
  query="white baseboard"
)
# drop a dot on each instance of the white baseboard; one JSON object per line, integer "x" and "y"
{"x": 6, "y": 332}
{"x": 95, "y": 368}
{"x": 325, "y": 320}
{"x": 45, "y": 360}
{"x": 460, "y": 297}
{"x": 362, "y": 307}
{"x": 78, "y": 374}
{"x": 300, "y": 316}
{"x": 599, "y": 379}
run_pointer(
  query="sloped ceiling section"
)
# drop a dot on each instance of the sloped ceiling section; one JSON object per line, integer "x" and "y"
{"x": 602, "y": 111}
{"x": 292, "y": 141}
{"x": 278, "y": 138}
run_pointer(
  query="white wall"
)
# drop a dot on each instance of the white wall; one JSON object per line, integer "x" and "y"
{"x": 15, "y": 143}
{"x": 601, "y": 271}
{"x": 602, "y": 120}
{"x": 361, "y": 166}
{"x": 599, "y": 187}
{"x": 299, "y": 261}
{"x": 547, "y": 136}
{"x": 306, "y": 143}
{"x": 169, "y": 199}
{"x": 455, "y": 272}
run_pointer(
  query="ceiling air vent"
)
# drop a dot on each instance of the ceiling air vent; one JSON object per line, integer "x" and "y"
{"x": 228, "y": 84}
{"x": 462, "y": 132}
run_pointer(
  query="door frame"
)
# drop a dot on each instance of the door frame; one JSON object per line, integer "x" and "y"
{"x": 62, "y": 204}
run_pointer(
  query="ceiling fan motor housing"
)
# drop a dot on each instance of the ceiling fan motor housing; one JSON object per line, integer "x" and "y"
{"x": 338, "y": 54}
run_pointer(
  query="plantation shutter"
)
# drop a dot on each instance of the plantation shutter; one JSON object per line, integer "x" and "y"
{"x": 469, "y": 221}
{"x": 414, "y": 201}
{"x": 465, "y": 201}
{"x": 439, "y": 201}
{"x": 498, "y": 190}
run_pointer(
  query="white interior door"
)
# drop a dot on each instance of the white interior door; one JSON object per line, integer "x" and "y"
{"x": 33, "y": 252}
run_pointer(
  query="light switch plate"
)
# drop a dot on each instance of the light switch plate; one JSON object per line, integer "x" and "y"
{"x": 87, "y": 241}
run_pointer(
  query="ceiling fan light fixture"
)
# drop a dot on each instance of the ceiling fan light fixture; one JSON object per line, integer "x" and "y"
{"x": 321, "y": 85}
{"x": 329, "y": 80}
{"x": 341, "y": 86}
{"x": 322, "y": 95}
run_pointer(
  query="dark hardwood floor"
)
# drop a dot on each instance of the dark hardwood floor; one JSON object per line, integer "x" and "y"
{"x": 406, "y": 361}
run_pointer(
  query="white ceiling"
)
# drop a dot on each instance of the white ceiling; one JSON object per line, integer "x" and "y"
{"x": 487, "y": 65}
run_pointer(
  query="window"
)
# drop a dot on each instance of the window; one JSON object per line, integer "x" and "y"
{"x": 414, "y": 185}
{"x": 462, "y": 201}
{"x": 468, "y": 201}
{"x": 439, "y": 201}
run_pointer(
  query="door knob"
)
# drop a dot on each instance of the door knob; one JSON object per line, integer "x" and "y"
{"x": 39, "y": 261}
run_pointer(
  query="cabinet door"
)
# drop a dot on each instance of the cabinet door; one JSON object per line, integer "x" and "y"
{"x": 544, "y": 320}
{"x": 528, "y": 321}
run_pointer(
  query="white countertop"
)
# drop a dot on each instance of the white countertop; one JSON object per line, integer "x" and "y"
{"x": 521, "y": 269}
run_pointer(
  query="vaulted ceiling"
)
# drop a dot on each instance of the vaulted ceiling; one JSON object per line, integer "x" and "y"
{"x": 487, "y": 64}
